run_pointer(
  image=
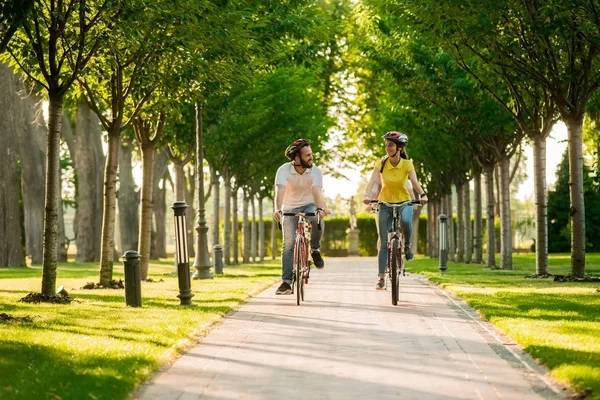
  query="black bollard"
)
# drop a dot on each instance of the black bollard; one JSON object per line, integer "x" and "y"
{"x": 133, "y": 281}
{"x": 181, "y": 254}
{"x": 218, "y": 259}
{"x": 443, "y": 242}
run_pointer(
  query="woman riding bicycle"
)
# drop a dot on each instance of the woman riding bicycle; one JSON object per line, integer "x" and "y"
{"x": 389, "y": 183}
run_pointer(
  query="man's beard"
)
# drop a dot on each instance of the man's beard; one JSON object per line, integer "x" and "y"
{"x": 304, "y": 164}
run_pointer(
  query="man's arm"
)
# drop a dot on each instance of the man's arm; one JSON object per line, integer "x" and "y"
{"x": 319, "y": 200}
{"x": 279, "y": 191}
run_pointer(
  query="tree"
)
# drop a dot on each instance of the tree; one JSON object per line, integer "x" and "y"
{"x": 53, "y": 47}
{"x": 11, "y": 249}
{"x": 558, "y": 210}
{"x": 554, "y": 44}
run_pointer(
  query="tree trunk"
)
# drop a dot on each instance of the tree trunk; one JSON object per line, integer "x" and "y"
{"x": 541, "y": 205}
{"x": 490, "y": 215}
{"x": 108, "y": 215}
{"x": 129, "y": 200}
{"x": 451, "y": 230}
{"x": 64, "y": 243}
{"x": 216, "y": 231}
{"x": 577, "y": 210}
{"x": 261, "y": 231}
{"x": 33, "y": 162}
{"x": 246, "y": 234}
{"x": 62, "y": 253}
{"x": 505, "y": 217}
{"x": 416, "y": 220}
{"x": 415, "y": 232}
{"x": 498, "y": 244}
{"x": 467, "y": 222}
{"x": 253, "y": 230}
{"x": 227, "y": 219}
{"x": 478, "y": 225}
{"x": 146, "y": 207}
{"x": 160, "y": 173}
{"x": 435, "y": 232}
{"x": 53, "y": 187}
{"x": 235, "y": 226}
{"x": 11, "y": 234}
{"x": 460, "y": 229}
{"x": 428, "y": 248}
{"x": 89, "y": 160}
{"x": 190, "y": 191}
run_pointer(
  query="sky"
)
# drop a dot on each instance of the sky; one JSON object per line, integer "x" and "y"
{"x": 555, "y": 147}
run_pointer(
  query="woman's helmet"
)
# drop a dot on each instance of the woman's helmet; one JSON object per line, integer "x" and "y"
{"x": 295, "y": 147}
{"x": 397, "y": 137}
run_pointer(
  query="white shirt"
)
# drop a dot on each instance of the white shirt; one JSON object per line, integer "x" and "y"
{"x": 298, "y": 188}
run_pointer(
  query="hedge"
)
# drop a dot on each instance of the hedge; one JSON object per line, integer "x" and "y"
{"x": 335, "y": 238}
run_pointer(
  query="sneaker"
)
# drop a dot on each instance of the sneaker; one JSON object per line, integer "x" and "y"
{"x": 284, "y": 288}
{"x": 317, "y": 259}
{"x": 380, "y": 284}
{"x": 408, "y": 254}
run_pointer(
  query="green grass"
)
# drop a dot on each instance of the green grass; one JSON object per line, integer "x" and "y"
{"x": 557, "y": 323}
{"x": 96, "y": 347}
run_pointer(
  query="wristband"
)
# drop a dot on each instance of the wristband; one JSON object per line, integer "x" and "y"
{"x": 319, "y": 209}
{"x": 423, "y": 194}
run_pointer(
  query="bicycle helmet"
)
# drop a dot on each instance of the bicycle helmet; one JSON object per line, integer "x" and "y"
{"x": 397, "y": 137}
{"x": 295, "y": 147}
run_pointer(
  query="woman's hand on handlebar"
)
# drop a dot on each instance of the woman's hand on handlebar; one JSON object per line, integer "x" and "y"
{"x": 277, "y": 215}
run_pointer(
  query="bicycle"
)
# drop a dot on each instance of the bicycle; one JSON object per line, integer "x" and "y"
{"x": 302, "y": 262}
{"x": 395, "y": 248}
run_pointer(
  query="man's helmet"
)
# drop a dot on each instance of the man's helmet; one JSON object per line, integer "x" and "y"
{"x": 397, "y": 137}
{"x": 295, "y": 147}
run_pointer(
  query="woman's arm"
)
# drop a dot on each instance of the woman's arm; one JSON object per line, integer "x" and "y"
{"x": 373, "y": 187}
{"x": 417, "y": 186}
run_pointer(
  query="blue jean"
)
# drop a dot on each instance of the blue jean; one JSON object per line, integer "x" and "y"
{"x": 289, "y": 234}
{"x": 385, "y": 225}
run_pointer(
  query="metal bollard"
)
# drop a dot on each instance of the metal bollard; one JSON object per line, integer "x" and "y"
{"x": 181, "y": 254}
{"x": 133, "y": 281}
{"x": 218, "y": 258}
{"x": 443, "y": 242}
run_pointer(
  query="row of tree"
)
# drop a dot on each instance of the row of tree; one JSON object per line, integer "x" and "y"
{"x": 470, "y": 82}
{"x": 144, "y": 67}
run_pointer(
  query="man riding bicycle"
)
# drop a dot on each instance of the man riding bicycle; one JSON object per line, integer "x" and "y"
{"x": 298, "y": 185}
{"x": 391, "y": 174}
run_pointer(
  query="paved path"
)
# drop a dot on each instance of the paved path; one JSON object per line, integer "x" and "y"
{"x": 348, "y": 342}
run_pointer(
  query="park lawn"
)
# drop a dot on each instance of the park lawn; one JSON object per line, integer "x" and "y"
{"x": 96, "y": 347}
{"x": 557, "y": 323}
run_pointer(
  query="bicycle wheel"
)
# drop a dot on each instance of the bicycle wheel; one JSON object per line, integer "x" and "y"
{"x": 395, "y": 269}
{"x": 299, "y": 280}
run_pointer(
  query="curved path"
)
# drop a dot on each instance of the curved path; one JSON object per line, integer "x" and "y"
{"x": 348, "y": 342}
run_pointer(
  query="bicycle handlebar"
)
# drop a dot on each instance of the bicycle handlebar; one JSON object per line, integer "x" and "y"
{"x": 318, "y": 215}
{"x": 395, "y": 205}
